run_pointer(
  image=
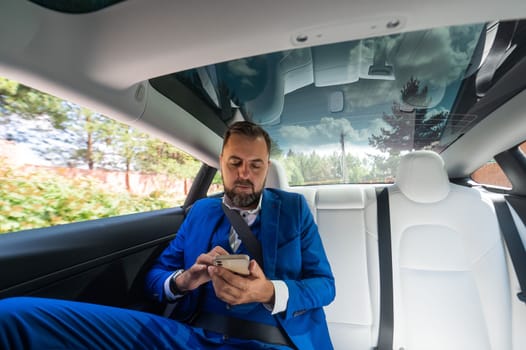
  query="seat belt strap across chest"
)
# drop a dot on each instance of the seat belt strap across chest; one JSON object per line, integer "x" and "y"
{"x": 245, "y": 234}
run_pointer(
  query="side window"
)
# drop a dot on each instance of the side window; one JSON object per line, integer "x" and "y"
{"x": 216, "y": 187}
{"x": 492, "y": 174}
{"x": 62, "y": 163}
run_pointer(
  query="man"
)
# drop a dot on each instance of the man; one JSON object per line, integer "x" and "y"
{"x": 277, "y": 306}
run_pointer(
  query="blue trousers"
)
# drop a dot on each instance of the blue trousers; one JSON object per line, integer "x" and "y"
{"x": 39, "y": 323}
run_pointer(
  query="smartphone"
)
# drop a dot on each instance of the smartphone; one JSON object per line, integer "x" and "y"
{"x": 237, "y": 263}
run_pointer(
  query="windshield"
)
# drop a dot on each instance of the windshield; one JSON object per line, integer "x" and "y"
{"x": 345, "y": 112}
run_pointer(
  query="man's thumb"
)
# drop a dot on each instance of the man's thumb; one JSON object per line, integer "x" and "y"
{"x": 254, "y": 269}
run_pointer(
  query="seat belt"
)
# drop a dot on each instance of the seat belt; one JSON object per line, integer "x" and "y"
{"x": 245, "y": 234}
{"x": 386, "y": 326}
{"x": 513, "y": 242}
{"x": 254, "y": 248}
{"x": 249, "y": 240}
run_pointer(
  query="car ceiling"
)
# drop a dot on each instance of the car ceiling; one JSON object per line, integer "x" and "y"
{"x": 103, "y": 60}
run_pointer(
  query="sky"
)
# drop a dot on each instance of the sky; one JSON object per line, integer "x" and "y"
{"x": 438, "y": 58}
{"x": 32, "y": 142}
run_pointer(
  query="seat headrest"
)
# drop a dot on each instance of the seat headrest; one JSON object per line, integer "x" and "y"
{"x": 276, "y": 176}
{"x": 422, "y": 177}
{"x": 334, "y": 198}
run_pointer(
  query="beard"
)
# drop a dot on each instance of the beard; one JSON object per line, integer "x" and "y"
{"x": 242, "y": 200}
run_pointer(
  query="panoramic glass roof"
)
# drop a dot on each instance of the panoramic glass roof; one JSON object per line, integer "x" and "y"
{"x": 345, "y": 112}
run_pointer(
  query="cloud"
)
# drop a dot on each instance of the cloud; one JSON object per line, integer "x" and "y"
{"x": 436, "y": 111}
{"x": 369, "y": 93}
{"x": 328, "y": 131}
{"x": 436, "y": 57}
{"x": 431, "y": 57}
{"x": 242, "y": 68}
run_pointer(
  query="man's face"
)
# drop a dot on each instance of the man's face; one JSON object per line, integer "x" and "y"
{"x": 244, "y": 166}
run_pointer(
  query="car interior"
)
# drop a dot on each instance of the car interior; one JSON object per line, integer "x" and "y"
{"x": 421, "y": 256}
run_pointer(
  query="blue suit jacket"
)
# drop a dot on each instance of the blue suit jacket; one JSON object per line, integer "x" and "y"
{"x": 292, "y": 252}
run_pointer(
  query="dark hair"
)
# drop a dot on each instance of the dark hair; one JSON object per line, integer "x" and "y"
{"x": 247, "y": 129}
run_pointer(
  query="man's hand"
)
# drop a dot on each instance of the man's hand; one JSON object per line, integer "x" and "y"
{"x": 235, "y": 289}
{"x": 198, "y": 274}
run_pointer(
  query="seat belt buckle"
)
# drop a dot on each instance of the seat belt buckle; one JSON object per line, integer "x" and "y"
{"x": 521, "y": 296}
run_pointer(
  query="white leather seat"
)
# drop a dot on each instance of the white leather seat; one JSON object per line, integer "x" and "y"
{"x": 350, "y": 241}
{"x": 450, "y": 281}
{"x": 276, "y": 177}
{"x": 451, "y": 276}
{"x": 346, "y": 218}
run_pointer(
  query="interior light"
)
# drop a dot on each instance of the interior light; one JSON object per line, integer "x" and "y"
{"x": 393, "y": 23}
{"x": 301, "y": 38}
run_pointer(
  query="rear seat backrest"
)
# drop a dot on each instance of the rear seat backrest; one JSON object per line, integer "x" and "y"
{"x": 450, "y": 282}
{"x": 346, "y": 218}
{"x": 351, "y": 246}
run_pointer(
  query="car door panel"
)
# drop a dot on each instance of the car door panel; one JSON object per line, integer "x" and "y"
{"x": 101, "y": 261}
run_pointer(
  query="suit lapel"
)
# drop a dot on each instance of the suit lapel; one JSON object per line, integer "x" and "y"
{"x": 270, "y": 209}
